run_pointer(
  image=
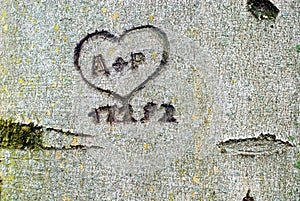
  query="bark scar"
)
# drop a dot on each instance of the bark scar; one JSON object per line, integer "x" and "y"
{"x": 248, "y": 197}
{"x": 264, "y": 144}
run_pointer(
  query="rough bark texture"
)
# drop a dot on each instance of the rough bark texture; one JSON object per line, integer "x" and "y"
{"x": 150, "y": 100}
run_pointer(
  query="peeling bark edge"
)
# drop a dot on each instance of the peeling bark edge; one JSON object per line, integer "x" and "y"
{"x": 267, "y": 138}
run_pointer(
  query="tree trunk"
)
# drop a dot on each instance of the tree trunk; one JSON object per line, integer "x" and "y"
{"x": 150, "y": 100}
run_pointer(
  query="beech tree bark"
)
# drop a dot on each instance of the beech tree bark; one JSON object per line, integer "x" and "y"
{"x": 150, "y": 100}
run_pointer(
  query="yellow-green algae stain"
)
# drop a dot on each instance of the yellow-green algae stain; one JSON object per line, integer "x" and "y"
{"x": 20, "y": 136}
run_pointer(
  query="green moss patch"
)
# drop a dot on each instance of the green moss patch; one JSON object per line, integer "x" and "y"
{"x": 20, "y": 136}
{"x": 297, "y": 164}
{"x": 298, "y": 47}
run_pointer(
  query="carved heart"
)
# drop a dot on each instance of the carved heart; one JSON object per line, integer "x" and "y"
{"x": 122, "y": 65}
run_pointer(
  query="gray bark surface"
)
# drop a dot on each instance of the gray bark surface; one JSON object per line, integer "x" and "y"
{"x": 214, "y": 90}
